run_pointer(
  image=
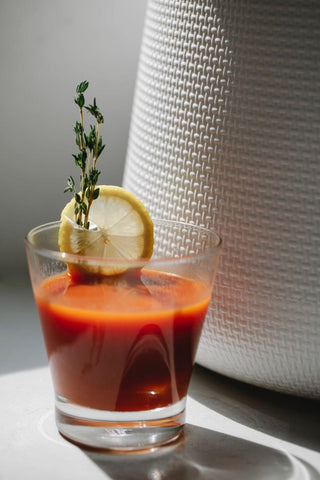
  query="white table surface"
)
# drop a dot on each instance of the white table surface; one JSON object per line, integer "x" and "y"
{"x": 233, "y": 431}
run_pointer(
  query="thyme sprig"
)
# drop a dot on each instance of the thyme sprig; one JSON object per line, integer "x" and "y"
{"x": 90, "y": 147}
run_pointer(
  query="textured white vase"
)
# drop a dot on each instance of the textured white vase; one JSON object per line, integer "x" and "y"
{"x": 225, "y": 133}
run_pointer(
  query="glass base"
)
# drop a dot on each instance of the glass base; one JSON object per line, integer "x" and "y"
{"x": 120, "y": 432}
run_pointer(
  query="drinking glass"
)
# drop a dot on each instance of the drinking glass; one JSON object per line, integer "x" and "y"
{"x": 121, "y": 347}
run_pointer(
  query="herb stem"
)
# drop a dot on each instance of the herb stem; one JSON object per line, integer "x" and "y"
{"x": 81, "y": 148}
{"x": 89, "y": 162}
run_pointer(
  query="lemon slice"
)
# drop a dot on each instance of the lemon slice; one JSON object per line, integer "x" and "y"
{"x": 120, "y": 228}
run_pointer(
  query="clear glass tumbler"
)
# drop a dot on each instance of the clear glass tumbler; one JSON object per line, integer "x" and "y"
{"x": 121, "y": 348}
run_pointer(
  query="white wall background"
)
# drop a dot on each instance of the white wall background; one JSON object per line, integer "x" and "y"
{"x": 46, "y": 48}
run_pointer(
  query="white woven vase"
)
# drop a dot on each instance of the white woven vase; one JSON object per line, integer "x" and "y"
{"x": 225, "y": 133}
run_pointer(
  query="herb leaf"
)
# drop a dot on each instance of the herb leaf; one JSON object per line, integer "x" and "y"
{"x": 90, "y": 147}
{"x": 82, "y": 87}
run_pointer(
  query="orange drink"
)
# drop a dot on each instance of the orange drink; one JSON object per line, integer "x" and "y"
{"x": 122, "y": 346}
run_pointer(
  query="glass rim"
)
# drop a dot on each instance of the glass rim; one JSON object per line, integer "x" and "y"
{"x": 75, "y": 258}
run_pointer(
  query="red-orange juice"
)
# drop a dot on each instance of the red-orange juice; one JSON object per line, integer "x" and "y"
{"x": 122, "y": 345}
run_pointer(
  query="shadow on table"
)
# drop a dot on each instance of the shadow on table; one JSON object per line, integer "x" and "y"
{"x": 206, "y": 455}
{"x": 287, "y": 417}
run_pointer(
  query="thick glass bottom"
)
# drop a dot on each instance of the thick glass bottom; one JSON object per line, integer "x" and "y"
{"x": 120, "y": 432}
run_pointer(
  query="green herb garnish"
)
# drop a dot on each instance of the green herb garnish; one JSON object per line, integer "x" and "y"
{"x": 90, "y": 148}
